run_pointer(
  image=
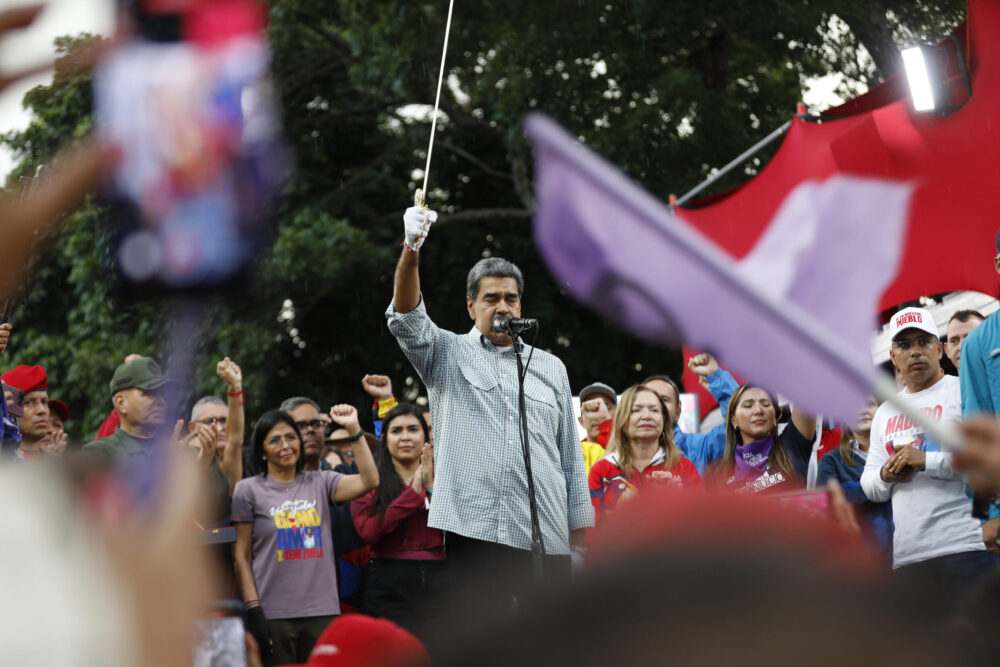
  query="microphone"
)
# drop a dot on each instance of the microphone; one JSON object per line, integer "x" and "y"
{"x": 513, "y": 325}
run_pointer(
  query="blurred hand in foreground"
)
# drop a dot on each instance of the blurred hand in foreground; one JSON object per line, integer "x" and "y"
{"x": 76, "y": 171}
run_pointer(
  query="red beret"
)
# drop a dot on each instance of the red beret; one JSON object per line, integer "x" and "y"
{"x": 58, "y": 407}
{"x": 26, "y": 378}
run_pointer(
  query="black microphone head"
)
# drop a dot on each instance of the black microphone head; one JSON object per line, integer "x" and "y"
{"x": 501, "y": 323}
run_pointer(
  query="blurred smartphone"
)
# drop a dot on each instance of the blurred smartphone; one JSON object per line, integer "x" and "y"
{"x": 185, "y": 96}
{"x": 814, "y": 502}
{"x": 220, "y": 640}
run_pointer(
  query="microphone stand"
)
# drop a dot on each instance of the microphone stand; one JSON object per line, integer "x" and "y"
{"x": 537, "y": 545}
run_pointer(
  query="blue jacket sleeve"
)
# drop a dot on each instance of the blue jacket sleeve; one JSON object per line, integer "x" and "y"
{"x": 854, "y": 493}
{"x": 722, "y": 385}
{"x": 703, "y": 448}
{"x": 973, "y": 376}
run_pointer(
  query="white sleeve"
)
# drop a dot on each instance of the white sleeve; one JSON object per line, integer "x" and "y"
{"x": 877, "y": 489}
{"x": 938, "y": 464}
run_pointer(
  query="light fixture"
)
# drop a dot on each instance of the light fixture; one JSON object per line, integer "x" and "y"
{"x": 932, "y": 72}
{"x": 919, "y": 78}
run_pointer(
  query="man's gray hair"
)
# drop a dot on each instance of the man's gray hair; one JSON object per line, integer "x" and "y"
{"x": 493, "y": 267}
{"x": 296, "y": 401}
{"x": 203, "y": 401}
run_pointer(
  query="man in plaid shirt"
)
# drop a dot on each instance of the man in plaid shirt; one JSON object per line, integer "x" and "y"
{"x": 480, "y": 492}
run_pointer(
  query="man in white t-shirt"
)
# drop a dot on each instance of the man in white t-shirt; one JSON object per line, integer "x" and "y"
{"x": 935, "y": 533}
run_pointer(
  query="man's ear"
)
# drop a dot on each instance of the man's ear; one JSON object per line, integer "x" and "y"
{"x": 471, "y": 306}
{"x": 118, "y": 401}
{"x": 580, "y": 419}
{"x": 996, "y": 263}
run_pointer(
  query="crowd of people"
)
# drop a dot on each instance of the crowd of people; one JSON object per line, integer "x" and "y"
{"x": 478, "y": 527}
{"x": 463, "y": 505}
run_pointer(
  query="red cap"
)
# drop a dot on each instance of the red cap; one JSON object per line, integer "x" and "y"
{"x": 26, "y": 378}
{"x": 59, "y": 408}
{"x": 356, "y": 640}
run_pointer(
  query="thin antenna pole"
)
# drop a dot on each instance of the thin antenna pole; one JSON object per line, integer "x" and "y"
{"x": 437, "y": 101}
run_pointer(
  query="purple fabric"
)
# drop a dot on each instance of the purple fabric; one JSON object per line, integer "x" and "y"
{"x": 796, "y": 315}
{"x": 751, "y": 459}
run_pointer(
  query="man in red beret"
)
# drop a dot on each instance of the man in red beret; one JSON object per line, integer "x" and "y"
{"x": 33, "y": 381}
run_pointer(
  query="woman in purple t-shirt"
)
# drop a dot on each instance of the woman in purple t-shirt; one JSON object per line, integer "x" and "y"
{"x": 285, "y": 567}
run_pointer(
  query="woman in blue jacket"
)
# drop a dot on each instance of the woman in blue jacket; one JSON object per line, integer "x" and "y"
{"x": 845, "y": 464}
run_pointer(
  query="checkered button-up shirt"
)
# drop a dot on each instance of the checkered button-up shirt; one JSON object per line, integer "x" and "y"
{"x": 480, "y": 485}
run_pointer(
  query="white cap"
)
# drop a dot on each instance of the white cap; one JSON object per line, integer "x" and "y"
{"x": 912, "y": 318}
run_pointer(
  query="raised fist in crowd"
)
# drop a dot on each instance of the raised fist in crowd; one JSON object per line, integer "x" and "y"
{"x": 231, "y": 374}
{"x": 346, "y": 416}
{"x": 703, "y": 365}
{"x": 378, "y": 387}
{"x": 595, "y": 411}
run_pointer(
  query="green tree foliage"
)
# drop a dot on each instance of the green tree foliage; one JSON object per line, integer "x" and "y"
{"x": 664, "y": 90}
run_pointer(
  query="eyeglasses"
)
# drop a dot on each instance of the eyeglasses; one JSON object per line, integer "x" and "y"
{"x": 316, "y": 424}
{"x": 276, "y": 441}
{"x": 919, "y": 341}
{"x": 211, "y": 421}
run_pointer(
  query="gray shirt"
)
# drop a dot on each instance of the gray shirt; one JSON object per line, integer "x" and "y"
{"x": 293, "y": 563}
{"x": 480, "y": 485}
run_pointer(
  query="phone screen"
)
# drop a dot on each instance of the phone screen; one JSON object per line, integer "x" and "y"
{"x": 201, "y": 156}
{"x": 220, "y": 642}
{"x": 815, "y": 502}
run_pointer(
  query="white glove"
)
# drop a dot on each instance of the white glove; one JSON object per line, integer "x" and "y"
{"x": 417, "y": 225}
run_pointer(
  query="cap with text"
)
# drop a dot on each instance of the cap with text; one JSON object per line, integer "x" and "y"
{"x": 912, "y": 318}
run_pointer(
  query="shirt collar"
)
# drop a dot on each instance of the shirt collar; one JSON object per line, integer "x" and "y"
{"x": 856, "y": 450}
{"x": 659, "y": 457}
{"x": 476, "y": 336}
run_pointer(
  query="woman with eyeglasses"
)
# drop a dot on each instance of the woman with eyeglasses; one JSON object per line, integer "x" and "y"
{"x": 757, "y": 457}
{"x": 284, "y": 561}
{"x": 406, "y": 580}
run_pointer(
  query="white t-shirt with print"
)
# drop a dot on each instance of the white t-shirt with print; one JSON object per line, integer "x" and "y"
{"x": 931, "y": 514}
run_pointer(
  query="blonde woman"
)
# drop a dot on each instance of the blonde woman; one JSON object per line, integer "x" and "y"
{"x": 641, "y": 451}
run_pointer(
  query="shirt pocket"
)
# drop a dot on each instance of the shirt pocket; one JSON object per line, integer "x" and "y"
{"x": 543, "y": 409}
{"x": 481, "y": 397}
{"x": 477, "y": 376}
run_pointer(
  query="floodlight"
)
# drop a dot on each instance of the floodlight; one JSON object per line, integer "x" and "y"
{"x": 919, "y": 76}
{"x": 933, "y": 72}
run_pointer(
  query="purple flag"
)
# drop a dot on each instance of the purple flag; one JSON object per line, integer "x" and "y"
{"x": 796, "y": 315}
